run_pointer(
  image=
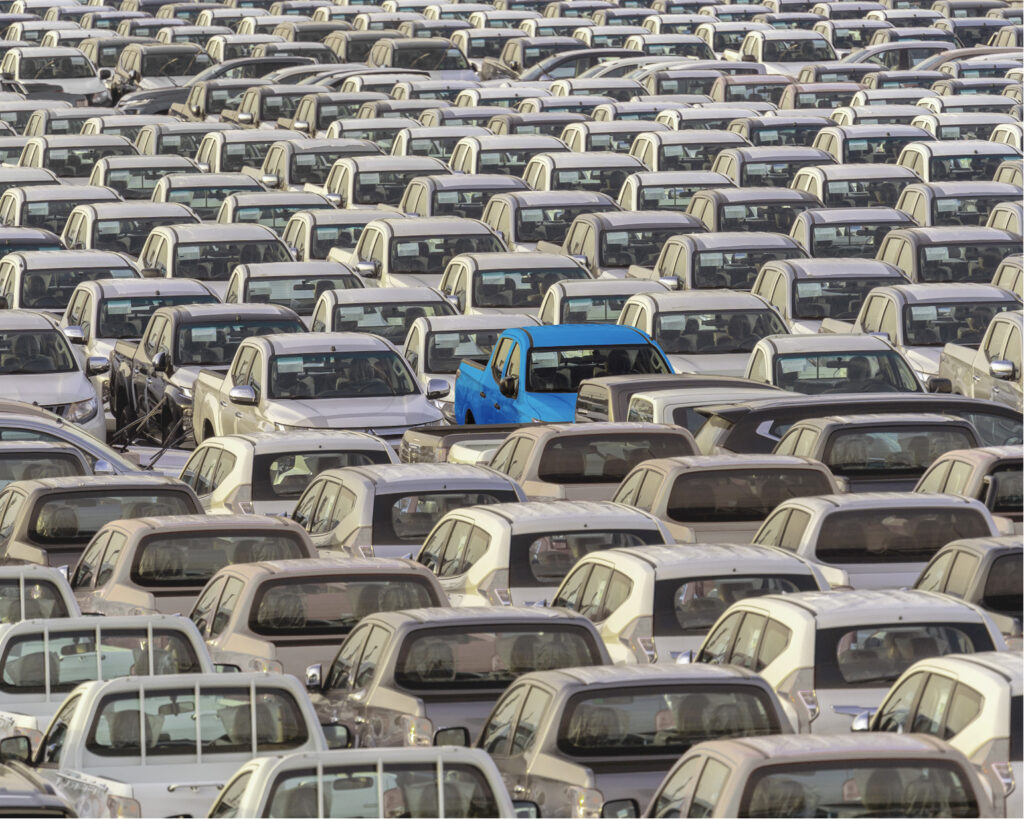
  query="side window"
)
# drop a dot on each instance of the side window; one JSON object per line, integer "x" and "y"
{"x": 497, "y": 733}
{"x": 204, "y": 480}
{"x": 324, "y": 517}
{"x": 935, "y": 478}
{"x": 153, "y": 335}
{"x": 931, "y": 710}
{"x": 502, "y": 458}
{"x": 234, "y": 290}
{"x": 890, "y": 322}
{"x": 628, "y": 316}
{"x": 517, "y": 466}
{"x": 744, "y": 650}
{"x": 964, "y": 708}
{"x": 794, "y": 531}
{"x": 773, "y": 643}
{"x": 229, "y": 803}
{"x": 411, "y": 351}
{"x": 52, "y": 744}
{"x": 479, "y": 540}
{"x": 965, "y": 567}
{"x": 709, "y": 789}
{"x": 547, "y": 310}
{"x": 629, "y": 487}
{"x": 255, "y": 379}
{"x": 676, "y": 792}
{"x": 110, "y": 557}
{"x": 934, "y": 576}
{"x": 303, "y": 513}
{"x": 1013, "y": 351}
{"x": 85, "y": 572}
{"x": 243, "y": 364}
{"x": 771, "y": 530}
{"x": 431, "y": 553}
{"x": 648, "y": 491}
{"x": 894, "y": 712}
{"x": 344, "y": 666}
{"x": 451, "y": 561}
{"x": 225, "y": 464}
{"x": 202, "y": 611}
{"x": 959, "y": 475}
{"x": 716, "y": 647}
{"x": 996, "y": 341}
{"x": 536, "y": 705}
{"x": 375, "y": 646}
{"x": 500, "y": 357}
{"x": 759, "y": 368}
{"x": 872, "y": 313}
{"x": 569, "y": 595}
{"x": 226, "y": 607}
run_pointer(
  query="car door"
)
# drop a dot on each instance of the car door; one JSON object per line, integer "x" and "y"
{"x": 154, "y": 384}
{"x": 994, "y": 347}
{"x": 247, "y": 419}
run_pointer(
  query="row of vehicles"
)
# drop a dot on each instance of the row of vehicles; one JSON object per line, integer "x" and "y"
{"x": 525, "y": 408}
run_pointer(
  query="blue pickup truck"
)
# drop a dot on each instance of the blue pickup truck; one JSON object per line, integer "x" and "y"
{"x": 533, "y": 372}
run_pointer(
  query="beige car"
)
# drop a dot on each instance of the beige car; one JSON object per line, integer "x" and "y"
{"x": 159, "y": 564}
{"x": 285, "y": 615}
{"x": 50, "y": 521}
{"x": 721, "y": 498}
{"x": 516, "y": 554}
{"x": 584, "y": 461}
{"x": 29, "y": 591}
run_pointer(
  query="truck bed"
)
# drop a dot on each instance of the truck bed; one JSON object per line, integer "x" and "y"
{"x": 431, "y": 444}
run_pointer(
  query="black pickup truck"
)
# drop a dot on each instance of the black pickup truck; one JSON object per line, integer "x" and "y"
{"x": 151, "y": 380}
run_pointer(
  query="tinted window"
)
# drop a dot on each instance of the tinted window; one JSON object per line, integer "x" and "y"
{"x": 544, "y": 559}
{"x": 286, "y": 475}
{"x": 76, "y": 517}
{"x": 41, "y": 599}
{"x": 605, "y": 458}
{"x": 739, "y": 494}
{"x": 1003, "y": 586}
{"x": 409, "y": 518}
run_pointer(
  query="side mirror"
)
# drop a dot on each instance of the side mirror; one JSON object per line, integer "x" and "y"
{"x": 105, "y": 74}
{"x": 671, "y": 282}
{"x": 686, "y": 657}
{"x": 161, "y": 362}
{"x": 579, "y": 257}
{"x": 455, "y": 300}
{"x": 620, "y": 808}
{"x": 204, "y": 167}
{"x": 245, "y": 118}
{"x": 334, "y": 199}
{"x": 862, "y": 722}
{"x": 151, "y": 273}
{"x": 4, "y": 304}
{"x": 97, "y": 365}
{"x": 75, "y": 334}
{"x": 937, "y": 383}
{"x": 300, "y": 125}
{"x": 134, "y": 75}
{"x": 243, "y": 395}
{"x": 452, "y": 736}
{"x": 509, "y": 386}
{"x": 366, "y": 269}
{"x": 102, "y": 467}
{"x": 16, "y": 749}
{"x": 226, "y": 668}
{"x": 881, "y": 335}
{"x": 437, "y": 388}
{"x": 195, "y": 109}
{"x": 748, "y": 58}
{"x": 525, "y": 810}
{"x": 314, "y": 677}
{"x": 337, "y": 736}
{"x": 271, "y": 180}
{"x": 1002, "y": 369}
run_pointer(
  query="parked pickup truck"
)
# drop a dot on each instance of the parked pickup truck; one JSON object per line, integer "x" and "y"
{"x": 533, "y": 373}
{"x": 992, "y": 371}
{"x": 314, "y": 381}
{"x": 177, "y": 342}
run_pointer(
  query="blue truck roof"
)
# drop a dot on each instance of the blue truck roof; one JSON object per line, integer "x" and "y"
{"x": 581, "y": 335}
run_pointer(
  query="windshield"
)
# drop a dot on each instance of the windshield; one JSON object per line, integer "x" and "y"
{"x": 429, "y": 59}
{"x": 784, "y": 135}
{"x": 34, "y": 352}
{"x": 837, "y": 298}
{"x": 78, "y": 162}
{"x": 274, "y": 217}
{"x": 235, "y": 155}
{"x": 30, "y": 466}
{"x": 592, "y": 309}
{"x": 325, "y": 238}
{"x": 733, "y": 495}
{"x": 549, "y": 224}
{"x": 963, "y": 263}
{"x": 974, "y": 210}
{"x": 127, "y": 318}
{"x": 964, "y": 323}
{"x": 138, "y": 183}
{"x": 361, "y": 373}
{"x": 445, "y": 351}
{"x": 286, "y": 475}
{"x": 562, "y": 370}
{"x": 78, "y": 656}
{"x": 56, "y": 68}
{"x": 489, "y": 658}
{"x": 49, "y": 215}
{"x": 772, "y": 174}
{"x": 880, "y": 192}
{"x": 849, "y": 241}
{"x": 409, "y": 517}
{"x": 698, "y": 50}
{"x": 607, "y": 180}
{"x": 735, "y": 269}
{"x": 312, "y": 166}
{"x": 190, "y": 560}
{"x": 41, "y": 598}
{"x": 893, "y": 450}
{"x": 725, "y": 331}
{"x": 215, "y": 343}
{"x": 606, "y": 458}
{"x": 431, "y": 254}
{"x": 862, "y": 789}
{"x": 51, "y": 289}
{"x": 845, "y": 372}
{"x": 214, "y": 261}
{"x": 389, "y": 320}
{"x": 773, "y": 217}
{"x": 300, "y": 294}
{"x": 332, "y": 605}
{"x": 206, "y": 201}
{"x": 622, "y": 248}
{"x": 518, "y": 288}
{"x": 396, "y": 788}
{"x": 693, "y": 605}
{"x": 383, "y": 187}
{"x": 175, "y": 65}
{"x": 129, "y": 235}
{"x": 75, "y": 517}
{"x": 662, "y": 721}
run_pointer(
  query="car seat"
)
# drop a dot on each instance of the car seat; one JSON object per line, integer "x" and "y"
{"x": 58, "y": 522}
{"x": 283, "y": 611}
{"x": 775, "y": 797}
{"x": 883, "y": 793}
{"x": 368, "y": 601}
{"x": 595, "y": 727}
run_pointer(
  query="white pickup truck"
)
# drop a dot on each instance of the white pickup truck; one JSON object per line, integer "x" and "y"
{"x": 314, "y": 381}
{"x": 135, "y": 746}
{"x": 993, "y": 370}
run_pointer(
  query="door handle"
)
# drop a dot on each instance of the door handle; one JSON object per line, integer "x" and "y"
{"x": 976, "y": 378}
{"x": 483, "y": 394}
{"x": 223, "y": 403}
{"x": 238, "y": 415}
{"x": 497, "y": 405}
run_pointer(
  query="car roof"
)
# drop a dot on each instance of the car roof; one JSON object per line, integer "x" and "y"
{"x": 665, "y": 674}
{"x": 826, "y": 216}
{"x": 853, "y": 607}
{"x": 117, "y": 288}
{"x": 385, "y": 295}
{"x": 827, "y": 343}
{"x": 870, "y": 419}
{"x": 819, "y": 505}
{"x": 25, "y": 320}
{"x": 399, "y": 477}
{"x": 322, "y": 566}
{"x": 757, "y": 194}
{"x": 865, "y": 171}
{"x": 517, "y": 261}
{"x": 292, "y": 343}
{"x": 215, "y": 232}
{"x": 983, "y": 545}
{"x": 1005, "y": 668}
{"x": 638, "y": 219}
{"x": 730, "y": 240}
{"x": 96, "y": 483}
{"x": 953, "y": 292}
{"x": 530, "y": 515}
{"x": 138, "y": 209}
{"x": 432, "y": 226}
{"x": 697, "y": 559}
{"x": 793, "y": 748}
{"x": 446, "y": 324}
{"x": 827, "y": 268}
{"x": 698, "y": 300}
{"x": 46, "y": 259}
{"x": 474, "y": 615}
{"x": 584, "y": 287}
{"x": 166, "y": 524}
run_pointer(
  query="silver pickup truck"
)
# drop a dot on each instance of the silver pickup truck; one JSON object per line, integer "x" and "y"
{"x": 994, "y": 369}
{"x": 314, "y": 381}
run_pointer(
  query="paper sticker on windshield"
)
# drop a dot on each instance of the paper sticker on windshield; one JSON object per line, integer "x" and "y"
{"x": 447, "y": 197}
{"x": 118, "y": 306}
{"x": 288, "y": 363}
{"x": 369, "y": 179}
{"x": 531, "y": 216}
{"x": 927, "y": 312}
{"x": 734, "y": 211}
{"x": 544, "y": 359}
{"x": 187, "y": 252}
{"x": 408, "y": 249}
{"x": 204, "y": 333}
{"x": 304, "y": 160}
{"x": 234, "y": 150}
{"x": 934, "y": 254}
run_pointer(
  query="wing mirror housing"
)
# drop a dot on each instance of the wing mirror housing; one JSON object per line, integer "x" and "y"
{"x": 509, "y": 386}
{"x": 862, "y": 721}
{"x": 226, "y": 668}
{"x": 1002, "y": 369}
{"x": 271, "y": 180}
{"x": 16, "y": 749}
{"x": 620, "y": 808}
{"x": 162, "y": 362}
{"x": 437, "y": 388}
{"x": 102, "y": 467}
{"x": 245, "y": 118}
{"x": 151, "y": 273}
{"x": 686, "y": 657}
{"x": 452, "y": 736}
{"x": 243, "y": 395}
{"x": 936, "y": 383}
{"x": 4, "y": 303}
{"x": 97, "y": 365}
{"x": 314, "y": 677}
{"x": 337, "y": 736}
{"x": 75, "y": 334}
{"x": 300, "y": 125}
{"x": 367, "y": 269}
{"x": 671, "y": 282}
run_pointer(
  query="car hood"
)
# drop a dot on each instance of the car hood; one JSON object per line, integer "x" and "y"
{"x": 370, "y": 412}
{"x": 713, "y": 363}
{"x": 47, "y": 389}
{"x": 148, "y": 83}
{"x": 82, "y": 87}
{"x": 173, "y": 93}
{"x": 924, "y": 359}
